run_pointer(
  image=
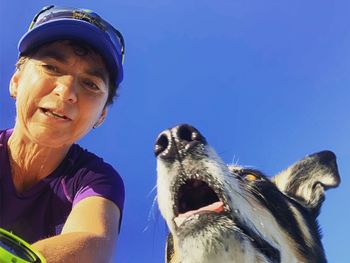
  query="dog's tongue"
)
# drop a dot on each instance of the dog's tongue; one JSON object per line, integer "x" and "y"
{"x": 216, "y": 207}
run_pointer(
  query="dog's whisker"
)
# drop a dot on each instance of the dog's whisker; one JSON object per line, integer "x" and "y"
{"x": 152, "y": 191}
{"x": 235, "y": 162}
{"x": 153, "y": 214}
{"x": 237, "y": 214}
{"x": 153, "y": 207}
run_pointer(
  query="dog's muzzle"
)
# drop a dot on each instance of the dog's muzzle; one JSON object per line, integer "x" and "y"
{"x": 175, "y": 145}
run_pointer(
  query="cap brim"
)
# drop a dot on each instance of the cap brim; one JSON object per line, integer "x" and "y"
{"x": 76, "y": 30}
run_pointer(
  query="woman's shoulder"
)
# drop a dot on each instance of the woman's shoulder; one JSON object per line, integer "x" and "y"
{"x": 81, "y": 166}
{"x": 82, "y": 158}
{"x": 88, "y": 174}
{"x": 5, "y": 135}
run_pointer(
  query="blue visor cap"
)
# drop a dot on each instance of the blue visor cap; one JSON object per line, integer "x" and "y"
{"x": 59, "y": 23}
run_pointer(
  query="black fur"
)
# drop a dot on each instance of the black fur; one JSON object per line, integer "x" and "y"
{"x": 183, "y": 150}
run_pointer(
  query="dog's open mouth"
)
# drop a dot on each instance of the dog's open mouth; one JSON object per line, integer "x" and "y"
{"x": 195, "y": 197}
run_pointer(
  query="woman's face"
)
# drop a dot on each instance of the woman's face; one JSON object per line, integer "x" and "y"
{"x": 61, "y": 92}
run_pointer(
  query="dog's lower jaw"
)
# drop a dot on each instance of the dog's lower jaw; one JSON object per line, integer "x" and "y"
{"x": 217, "y": 237}
{"x": 194, "y": 250}
{"x": 214, "y": 238}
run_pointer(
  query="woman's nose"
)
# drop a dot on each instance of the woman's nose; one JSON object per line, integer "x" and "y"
{"x": 66, "y": 89}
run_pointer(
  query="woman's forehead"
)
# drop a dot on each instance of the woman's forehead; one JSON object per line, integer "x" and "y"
{"x": 64, "y": 50}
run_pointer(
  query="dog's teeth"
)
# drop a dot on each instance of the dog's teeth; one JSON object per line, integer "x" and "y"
{"x": 179, "y": 220}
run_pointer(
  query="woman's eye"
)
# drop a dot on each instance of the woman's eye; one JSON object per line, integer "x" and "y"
{"x": 50, "y": 68}
{"x": 91, "y": 85}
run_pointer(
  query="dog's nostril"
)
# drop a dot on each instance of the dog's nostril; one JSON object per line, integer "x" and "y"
{"x": 185, "y": 133}
{"x": 189, "y": 134}
{"x": 161, "y": 144}
{"x": 176, "y": 142}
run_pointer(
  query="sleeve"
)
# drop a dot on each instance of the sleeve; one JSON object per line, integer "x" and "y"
{"x": 101, "y": 180}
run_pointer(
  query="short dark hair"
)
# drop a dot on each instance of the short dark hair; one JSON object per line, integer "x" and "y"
{"x": 112, "y": 88}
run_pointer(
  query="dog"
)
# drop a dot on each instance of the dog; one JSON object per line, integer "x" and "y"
{"x": 226, "y": 213}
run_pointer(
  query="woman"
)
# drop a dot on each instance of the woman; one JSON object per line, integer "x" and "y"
{"x": 65, "y": 200}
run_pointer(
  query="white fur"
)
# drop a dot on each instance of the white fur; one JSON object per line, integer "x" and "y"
{"x": 195, "y": 249}
{"x": 302, "y": 225}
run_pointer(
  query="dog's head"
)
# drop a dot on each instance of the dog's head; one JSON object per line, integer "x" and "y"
{"x": 219, "y": 213}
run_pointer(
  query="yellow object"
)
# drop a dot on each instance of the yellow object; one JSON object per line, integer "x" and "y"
{"x": 15, "y": 250}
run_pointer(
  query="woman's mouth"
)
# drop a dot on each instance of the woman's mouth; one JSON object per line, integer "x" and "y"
{"x": 54, "y": 114}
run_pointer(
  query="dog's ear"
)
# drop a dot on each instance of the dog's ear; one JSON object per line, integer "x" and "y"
{"x": 305, "y": 181}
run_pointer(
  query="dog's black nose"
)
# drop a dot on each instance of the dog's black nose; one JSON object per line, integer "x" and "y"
{"x": 177, "y": 141}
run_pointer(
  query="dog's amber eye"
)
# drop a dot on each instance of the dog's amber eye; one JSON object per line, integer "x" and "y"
{"x": 250, "y": 177}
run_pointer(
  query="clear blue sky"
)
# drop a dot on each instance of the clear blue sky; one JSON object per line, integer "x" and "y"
{"x": 267, "y": 82}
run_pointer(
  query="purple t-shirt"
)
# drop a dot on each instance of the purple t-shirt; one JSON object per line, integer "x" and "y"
{"x": 42, "y": 210}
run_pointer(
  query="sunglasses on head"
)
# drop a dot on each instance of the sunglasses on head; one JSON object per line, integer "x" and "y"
{"x": 55, "y": 12}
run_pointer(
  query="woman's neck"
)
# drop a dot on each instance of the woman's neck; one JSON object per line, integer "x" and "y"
{"x": 31, "y": 162}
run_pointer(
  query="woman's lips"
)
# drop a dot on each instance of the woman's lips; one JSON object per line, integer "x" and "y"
{"x": 54, "y": 114}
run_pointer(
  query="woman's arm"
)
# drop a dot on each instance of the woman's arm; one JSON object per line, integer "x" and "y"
{"x": 89, "y": 234}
